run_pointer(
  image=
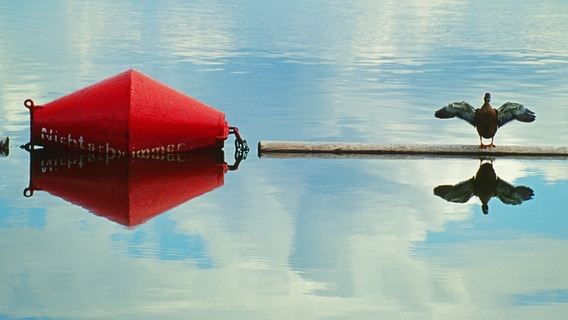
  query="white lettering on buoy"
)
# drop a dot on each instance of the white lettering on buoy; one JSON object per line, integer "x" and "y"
{"x": 69, "y": 140}
{"x": 77, "y": 142}
{"x": 80, "y": 143}
{"x": 170, "y": 148}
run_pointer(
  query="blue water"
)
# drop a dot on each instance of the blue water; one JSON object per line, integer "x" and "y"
{"x": 308, "y": 238}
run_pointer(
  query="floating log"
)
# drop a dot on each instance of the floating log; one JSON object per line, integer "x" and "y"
{"x": 295, "y": 149}
{"x": 4, "y": 146}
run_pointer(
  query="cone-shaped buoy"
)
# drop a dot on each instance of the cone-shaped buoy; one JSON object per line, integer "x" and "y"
{"x": 128, "y": 113}
{"x": 126, "y": 189}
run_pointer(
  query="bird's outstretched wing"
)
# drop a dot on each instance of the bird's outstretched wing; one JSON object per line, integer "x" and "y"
{"x": 514, "y": 111}
{"x": 509, "y": 194}
{"x": 460, "y": 192}
{"x": 462, "y": 110}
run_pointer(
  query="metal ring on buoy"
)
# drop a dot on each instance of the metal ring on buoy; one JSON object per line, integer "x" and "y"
{"x": 28, "y": 192}
{"x": 29, "y": 103}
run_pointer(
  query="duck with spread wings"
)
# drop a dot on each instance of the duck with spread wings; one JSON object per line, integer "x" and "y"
{"x": 486, "y": 119}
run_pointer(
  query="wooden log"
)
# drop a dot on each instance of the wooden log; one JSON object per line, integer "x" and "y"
{"x": 295, "y": 149}
{"x": 4, "y": 146}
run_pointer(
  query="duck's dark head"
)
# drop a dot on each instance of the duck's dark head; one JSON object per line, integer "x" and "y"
{"x": 487, "y": 97}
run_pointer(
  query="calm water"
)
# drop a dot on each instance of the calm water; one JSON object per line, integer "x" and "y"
{"x": 289, "y": 238}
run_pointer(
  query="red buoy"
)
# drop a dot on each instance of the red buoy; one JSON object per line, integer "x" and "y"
{"x": 126, "y": 189}
{"x": 129, "y": 113}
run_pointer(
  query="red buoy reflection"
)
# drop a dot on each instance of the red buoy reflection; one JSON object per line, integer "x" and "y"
{"x": 126, "y": 189}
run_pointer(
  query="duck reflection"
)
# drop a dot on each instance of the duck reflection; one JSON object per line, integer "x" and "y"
{"x": 126, "y": 189}
{"x": 485, "y": 185}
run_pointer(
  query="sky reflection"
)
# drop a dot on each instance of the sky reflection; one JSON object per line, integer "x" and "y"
{"x": 377, "y": 248}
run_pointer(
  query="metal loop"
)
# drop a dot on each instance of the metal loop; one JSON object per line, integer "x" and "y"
{"x": 28, "y": 192}
{"x": 241, "y": 148}
{"x": 28, "y": 147}
{"x": 29, "y": 103}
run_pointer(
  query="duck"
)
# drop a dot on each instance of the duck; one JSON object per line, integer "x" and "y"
{"x": 485, "y": 184}
{"x": 486, "y": 119}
